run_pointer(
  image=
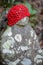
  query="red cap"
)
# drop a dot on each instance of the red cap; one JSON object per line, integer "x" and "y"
{"x": 16, "y": 13}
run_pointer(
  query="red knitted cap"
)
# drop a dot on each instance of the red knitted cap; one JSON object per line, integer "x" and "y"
{"x": 16, "y": 13}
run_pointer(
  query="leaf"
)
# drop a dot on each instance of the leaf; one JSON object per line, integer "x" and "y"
{"x": 32, "y": 10}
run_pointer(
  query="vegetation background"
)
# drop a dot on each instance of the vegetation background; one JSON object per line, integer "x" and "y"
{"x": 36, "y": 19}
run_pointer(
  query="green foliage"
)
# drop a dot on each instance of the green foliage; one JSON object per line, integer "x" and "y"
{"x": 31, "y": 9}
